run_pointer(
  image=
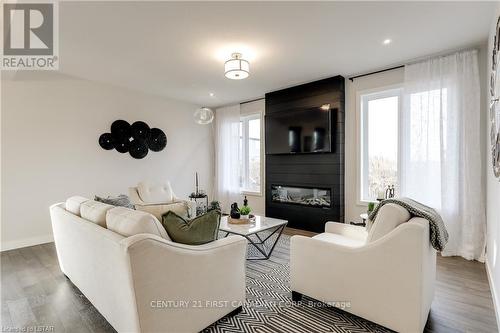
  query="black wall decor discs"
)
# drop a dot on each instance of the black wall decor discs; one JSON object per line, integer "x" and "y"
{"x": 157, "y": 139}
{"x": 106, "y": 141}
{"x": 136, "y": 139}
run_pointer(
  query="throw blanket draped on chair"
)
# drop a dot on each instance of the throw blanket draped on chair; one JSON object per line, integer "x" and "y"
{"x": 438, "y": 232}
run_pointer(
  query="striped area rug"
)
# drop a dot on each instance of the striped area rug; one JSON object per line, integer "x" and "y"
{"x": 269, "y": 307}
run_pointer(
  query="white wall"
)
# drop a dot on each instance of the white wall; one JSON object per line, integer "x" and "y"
{"x": 50, "y": 129}
{"x": 353, "y": 208}
{"x": 492, "y": 196}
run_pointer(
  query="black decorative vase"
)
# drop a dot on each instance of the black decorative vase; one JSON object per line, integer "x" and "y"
{"x": 235, "y": 212}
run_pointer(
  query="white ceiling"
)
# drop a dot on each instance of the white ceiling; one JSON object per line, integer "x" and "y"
{"x": 178, "y": 50}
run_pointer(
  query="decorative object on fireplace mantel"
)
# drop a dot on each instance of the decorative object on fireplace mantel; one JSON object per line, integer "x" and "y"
{"x": 136, "y": 139}
{"x": 495, "y": 103}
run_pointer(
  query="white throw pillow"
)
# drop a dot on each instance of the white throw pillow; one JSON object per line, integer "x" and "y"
{"x": 155, "y": 193}
{"x": 73, "y": 204}
{"x": 95, "y": 212}
{"x": 128, "y": 222}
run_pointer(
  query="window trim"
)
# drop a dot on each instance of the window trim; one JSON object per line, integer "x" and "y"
{"x": 359, "y": 134}
{"x": 247, "y": 117}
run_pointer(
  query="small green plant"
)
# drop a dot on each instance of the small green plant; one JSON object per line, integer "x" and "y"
{"x": 371, "y": 206}
{"x": 245, "y": 210}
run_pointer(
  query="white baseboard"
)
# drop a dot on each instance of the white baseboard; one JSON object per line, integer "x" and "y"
{"x": 494, "y": 295}
{"x": 5, "y": 246}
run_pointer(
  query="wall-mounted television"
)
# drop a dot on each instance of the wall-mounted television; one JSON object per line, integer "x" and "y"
{"x": 299, "y": 131}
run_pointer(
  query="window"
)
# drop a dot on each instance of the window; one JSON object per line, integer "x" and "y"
{"x": 250, "y": 151}
{"x": 379, "y": 143}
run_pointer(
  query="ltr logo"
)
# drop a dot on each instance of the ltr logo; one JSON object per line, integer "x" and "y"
{"x": 28, "y": 29}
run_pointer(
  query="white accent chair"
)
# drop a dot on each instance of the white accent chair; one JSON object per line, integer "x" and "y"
{"x": 123, "y": 261}
{"x": 386, "y": 275}
{"x": 158, "y": 198}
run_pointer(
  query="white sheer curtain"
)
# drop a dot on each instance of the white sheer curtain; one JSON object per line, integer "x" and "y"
{"x": 227, "y": 161}
{"x": 440, "y": 147}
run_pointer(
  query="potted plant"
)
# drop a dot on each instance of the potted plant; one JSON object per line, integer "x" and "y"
{"x": 371, "y": 206}
{"x": 245, "y": 211}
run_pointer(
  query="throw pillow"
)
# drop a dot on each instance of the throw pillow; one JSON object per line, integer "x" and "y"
{"x": 120, "y": 201}
{"x": 200, "y": 230}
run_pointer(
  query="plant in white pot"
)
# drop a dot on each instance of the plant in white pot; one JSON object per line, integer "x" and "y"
{"x": 245, "y": 212}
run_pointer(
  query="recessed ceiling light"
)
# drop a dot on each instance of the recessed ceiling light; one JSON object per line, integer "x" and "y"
{"x": 387, "y": 41}
{"x": 212, "y": 94}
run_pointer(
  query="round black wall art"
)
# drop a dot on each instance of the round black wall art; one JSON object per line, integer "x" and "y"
{"x": 157, "y": 139}
{"x": 136, "y": 139}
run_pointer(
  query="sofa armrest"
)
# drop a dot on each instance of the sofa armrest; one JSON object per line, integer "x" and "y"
{"x": 175, "y": 282}
{"x": 349, "y": 230}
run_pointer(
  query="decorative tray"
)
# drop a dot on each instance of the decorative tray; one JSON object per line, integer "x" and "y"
{"x": 251, "y": 219}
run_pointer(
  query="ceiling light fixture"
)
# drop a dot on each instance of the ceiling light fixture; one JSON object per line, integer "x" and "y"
{"x": 325, "y": 107}
{"x": 211, "y": 94}
{"x": 236, "y": 68}
{"x": 204, "y": 116}
{"x": 387, "y": 41}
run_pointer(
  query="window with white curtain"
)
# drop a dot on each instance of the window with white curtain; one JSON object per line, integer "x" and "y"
{"x": 379, "y": 129}
{"x": 250, "y": 153}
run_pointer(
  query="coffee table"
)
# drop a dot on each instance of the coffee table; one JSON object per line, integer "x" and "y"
{"x": 256, "y": 228}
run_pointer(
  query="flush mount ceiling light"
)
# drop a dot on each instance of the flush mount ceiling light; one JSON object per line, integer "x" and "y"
{"x": 204, "y": 116}
{"x": 236, "y": 68}
{"x": 387, "y": 41}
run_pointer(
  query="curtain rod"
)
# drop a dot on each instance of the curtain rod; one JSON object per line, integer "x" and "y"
{"x": 376, "y": 72}
{"x": 253, "y": 100}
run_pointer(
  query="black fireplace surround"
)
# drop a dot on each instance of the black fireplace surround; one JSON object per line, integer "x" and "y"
{"x": 308, "y": 189}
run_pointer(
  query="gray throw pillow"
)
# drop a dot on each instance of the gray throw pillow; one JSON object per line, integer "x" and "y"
{"x": 200, "y": 230}
{"x": 122, "y": 201}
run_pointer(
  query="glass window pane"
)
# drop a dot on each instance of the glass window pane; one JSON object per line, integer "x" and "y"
{"x": 254, "y": 129}
{"x": 250, "y": 150}
{"x": 381, "y": 142}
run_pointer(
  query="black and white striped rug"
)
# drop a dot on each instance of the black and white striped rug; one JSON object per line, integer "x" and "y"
{"x": 269, "y": 307}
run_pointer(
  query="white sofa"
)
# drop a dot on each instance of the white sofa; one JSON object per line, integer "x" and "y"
{"x": 386, "y": 275}
{"x": 138, "y": 279}
{"x": 157, "y": 198}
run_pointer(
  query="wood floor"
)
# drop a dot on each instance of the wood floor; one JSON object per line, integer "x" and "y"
{"x": 35, "y": 294}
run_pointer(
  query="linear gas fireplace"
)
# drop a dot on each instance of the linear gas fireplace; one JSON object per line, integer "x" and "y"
{"x": 307, "y": 196}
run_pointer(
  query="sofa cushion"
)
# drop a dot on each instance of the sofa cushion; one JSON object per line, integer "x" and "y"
{"x": 200, "y": 230}
{"x": 95, "y": 212}
{"x": 129, "y": 222}
{"x": 155, "y": 193}
{"x": 388, "y": 218}
{"x": 339, "y": 239}
{"x": 73, "y": 204}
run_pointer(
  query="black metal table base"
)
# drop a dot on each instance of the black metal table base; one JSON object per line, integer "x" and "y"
{"x": 260, "y": 245}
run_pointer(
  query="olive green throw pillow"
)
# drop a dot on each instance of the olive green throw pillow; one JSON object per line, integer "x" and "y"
{"x": 200, "y": 230}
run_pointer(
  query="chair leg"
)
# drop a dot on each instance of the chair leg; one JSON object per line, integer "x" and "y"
{"x": 296, "y": 297}
{"x": 235, "y": 311}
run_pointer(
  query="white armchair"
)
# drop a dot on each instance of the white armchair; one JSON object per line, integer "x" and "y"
{"x": 386, "y": 276}
{"x": 158, "y": 198}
